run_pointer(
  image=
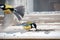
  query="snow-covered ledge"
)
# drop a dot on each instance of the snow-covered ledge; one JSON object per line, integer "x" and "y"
{"x": 43, "y": 17}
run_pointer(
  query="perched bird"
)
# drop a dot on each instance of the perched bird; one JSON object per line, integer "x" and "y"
{"x": 29, "y": 25}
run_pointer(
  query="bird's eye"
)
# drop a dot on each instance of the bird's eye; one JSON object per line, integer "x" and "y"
{"x": 1, "y": 6}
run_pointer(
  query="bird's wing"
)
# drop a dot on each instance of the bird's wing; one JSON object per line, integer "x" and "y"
{"x": 19, "y": 12}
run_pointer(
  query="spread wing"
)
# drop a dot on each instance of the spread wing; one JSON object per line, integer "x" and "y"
{"x": 19, "y": 12}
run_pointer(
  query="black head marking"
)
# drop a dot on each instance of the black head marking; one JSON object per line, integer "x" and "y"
{"x": 2, "y": 6}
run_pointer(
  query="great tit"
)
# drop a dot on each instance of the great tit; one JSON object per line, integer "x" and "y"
{"x": 6, "y": 8}
{"x": 29, "y": 25}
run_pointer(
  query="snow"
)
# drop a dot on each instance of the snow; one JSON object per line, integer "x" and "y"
{"x": 16, "y": 32}
{"x": 53, "y": 34}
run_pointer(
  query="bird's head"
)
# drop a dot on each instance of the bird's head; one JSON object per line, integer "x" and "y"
{"x": 6, "y": 8}
{"x": 2, "y": 6}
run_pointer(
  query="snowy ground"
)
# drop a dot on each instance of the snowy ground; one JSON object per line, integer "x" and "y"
{"x": 11, "y": 33}
{"x": 16, "y": 32}
{"x": 53, "y": 35}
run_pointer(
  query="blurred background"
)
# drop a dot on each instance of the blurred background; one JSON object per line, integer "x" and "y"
{"x": 39, "y": 11}
{"x": 35, "y": 5}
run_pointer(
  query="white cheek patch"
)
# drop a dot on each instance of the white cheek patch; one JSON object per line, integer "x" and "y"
{"x": 1, "y": 6}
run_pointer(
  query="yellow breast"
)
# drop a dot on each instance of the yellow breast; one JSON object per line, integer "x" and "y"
{"x": 7, "y": 11}
{"x": 27, "y": 27}
{"x": 8, "y": 6}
